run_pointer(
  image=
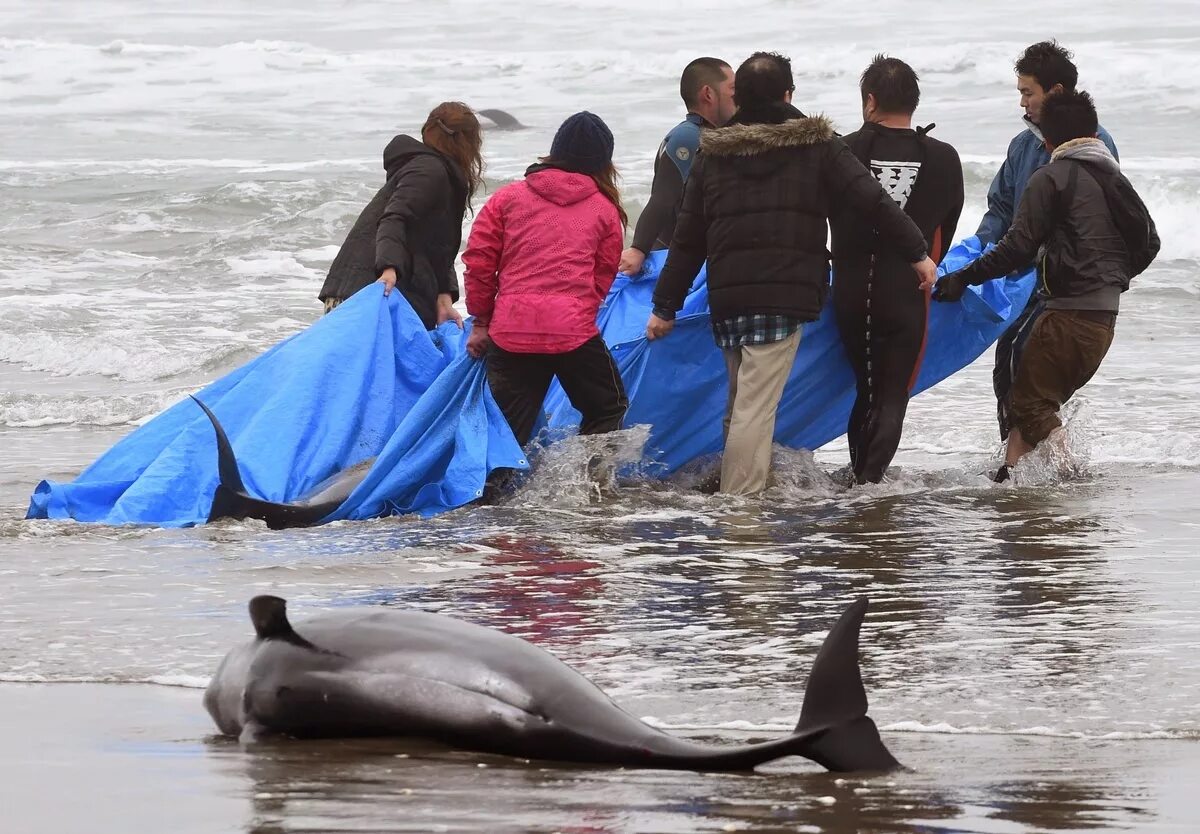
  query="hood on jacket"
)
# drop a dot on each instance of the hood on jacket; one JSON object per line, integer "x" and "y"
{"x": 404, "y": 148}
{"x": 1088, "y": 150}
{"x": 563, "y": 188}
{"x": 755, "y": 139}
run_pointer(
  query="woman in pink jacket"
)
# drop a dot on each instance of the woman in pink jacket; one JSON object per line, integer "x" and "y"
{"x": 541, "y": 257}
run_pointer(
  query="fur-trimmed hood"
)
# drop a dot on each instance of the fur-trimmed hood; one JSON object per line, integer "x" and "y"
{"x": 755, "y": 139}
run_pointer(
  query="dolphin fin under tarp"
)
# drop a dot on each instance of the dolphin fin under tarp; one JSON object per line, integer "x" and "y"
{"x": 320, "y": 402}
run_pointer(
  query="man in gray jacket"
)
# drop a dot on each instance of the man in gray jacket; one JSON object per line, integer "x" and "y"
{"x": 1067, "y": 223}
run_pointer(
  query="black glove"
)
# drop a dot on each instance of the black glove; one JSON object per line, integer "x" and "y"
{"x": 950, "y": 288}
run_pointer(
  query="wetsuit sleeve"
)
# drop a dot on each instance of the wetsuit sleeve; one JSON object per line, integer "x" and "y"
{"x": 955, "y": 197}
{"x": 482, "y": 260}
{"x": 665, "y": 193}
{"x": 419, "y": 186}
{"x": 689, "y": 248}
{"x": 999, "y": 215}
{"x": 608, "y": 253}
{"x": 1031, "y": 227}
{"x": 851, "y": 185}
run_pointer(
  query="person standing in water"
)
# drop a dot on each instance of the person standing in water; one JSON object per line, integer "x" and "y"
{"x": 409, "y": 234}
{"x": 757, "y": 207}
{"x": 540, "y": 259}
{"x": 1091, "y": 233}
{"x": 1043, "y": 68}
{"x": 880, "y": 312}
{"x": 706, "y": 88}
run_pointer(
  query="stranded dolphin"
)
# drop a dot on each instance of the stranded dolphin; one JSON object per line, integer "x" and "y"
{"x": 232, "y": 501}
{"x": 419, "y": 675}
{"x": 502, "y": 120}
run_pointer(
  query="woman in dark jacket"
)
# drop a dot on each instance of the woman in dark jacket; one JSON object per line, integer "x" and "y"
{"x": 409, "y": 234}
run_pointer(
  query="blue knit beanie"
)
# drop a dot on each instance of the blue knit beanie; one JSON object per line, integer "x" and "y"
{"x": 583, "y": 143}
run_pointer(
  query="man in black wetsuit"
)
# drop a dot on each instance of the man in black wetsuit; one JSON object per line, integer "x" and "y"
{"x": 880, "y": 313}
{"x": 706, "y": 87}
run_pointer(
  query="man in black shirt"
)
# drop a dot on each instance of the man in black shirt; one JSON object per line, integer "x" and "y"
{"x": 880, "y": 312}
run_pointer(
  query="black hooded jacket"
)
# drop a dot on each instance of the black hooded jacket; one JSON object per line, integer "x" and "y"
{"x": 413, "y": 225}
{"x": 757, "y": 205}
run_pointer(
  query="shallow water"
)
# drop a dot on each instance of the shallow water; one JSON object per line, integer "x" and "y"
{"x": 176, "y": 182}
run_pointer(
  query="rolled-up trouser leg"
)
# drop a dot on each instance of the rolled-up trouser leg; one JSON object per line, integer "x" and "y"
{"x": 1063, "y": 352}
{"x": 762, "y": 372}
{"x": 1009, "y": 348}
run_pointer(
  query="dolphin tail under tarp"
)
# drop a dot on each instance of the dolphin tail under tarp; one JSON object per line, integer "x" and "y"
{"x": 834, "y": 716}
{"x": 231, "y": 499}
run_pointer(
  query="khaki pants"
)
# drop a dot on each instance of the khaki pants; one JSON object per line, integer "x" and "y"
{"x": 757, "y": 375}
{"x": 1065, "y": 348}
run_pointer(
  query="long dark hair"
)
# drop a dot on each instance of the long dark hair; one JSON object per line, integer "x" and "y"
{"x": 453, "y": 130}
{"x": 606, "y": 181}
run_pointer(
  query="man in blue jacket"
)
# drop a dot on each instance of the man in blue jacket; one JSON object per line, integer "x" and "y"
{"x": 1042, "y": 69}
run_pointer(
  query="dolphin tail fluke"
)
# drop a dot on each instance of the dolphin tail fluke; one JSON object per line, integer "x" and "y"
{"x": 230, "y": 500}
{"x": 227, "y": 467}
{"x": 834, "y": 717}
{"x": 834, "y": 730}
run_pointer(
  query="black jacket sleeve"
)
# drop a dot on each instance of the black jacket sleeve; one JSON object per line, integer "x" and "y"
{"x": 420, "y": 185}
{"x": 689, "y": 247}
{"x": 665, "y": 194}
{"x": 851, "y": 185}
{"x": 1030, "y": 228}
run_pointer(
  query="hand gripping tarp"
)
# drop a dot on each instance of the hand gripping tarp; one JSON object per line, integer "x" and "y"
{"x": 678, "y": 385}
{"x": 363, "y": 381}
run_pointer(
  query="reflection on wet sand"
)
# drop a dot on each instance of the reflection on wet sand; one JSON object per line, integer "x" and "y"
{"x": 409, "y": 786}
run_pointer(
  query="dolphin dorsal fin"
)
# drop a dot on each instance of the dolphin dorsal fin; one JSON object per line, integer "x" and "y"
{"x": 269, "y": 615}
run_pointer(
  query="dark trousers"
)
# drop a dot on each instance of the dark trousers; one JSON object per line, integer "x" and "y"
{"x": 1008, "y": 357}
{"x": 884, "y": 345}
{"x": 588, "y": 375}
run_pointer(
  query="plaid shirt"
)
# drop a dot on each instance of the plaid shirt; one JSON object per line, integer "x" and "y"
{"x": 756, "y": 329}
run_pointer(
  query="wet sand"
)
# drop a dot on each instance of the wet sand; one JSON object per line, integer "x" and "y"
{"x": 132, "y": 758}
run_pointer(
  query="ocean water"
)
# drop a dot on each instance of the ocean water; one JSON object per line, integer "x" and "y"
{"x": 177, "y": 178}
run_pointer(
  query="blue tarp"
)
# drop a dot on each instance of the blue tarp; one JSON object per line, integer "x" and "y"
{"x": 355, "y": 384}
{"x": 678, "y": 385}
{"x": 368, "y": 381}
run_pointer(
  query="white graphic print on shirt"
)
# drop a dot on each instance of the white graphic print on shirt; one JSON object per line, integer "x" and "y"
{"x": 897, "y": 178}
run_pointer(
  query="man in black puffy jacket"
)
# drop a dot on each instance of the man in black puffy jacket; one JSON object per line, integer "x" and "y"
{"x": 1066, "y": 224}
{"x": 757, "y": 206}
